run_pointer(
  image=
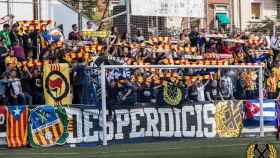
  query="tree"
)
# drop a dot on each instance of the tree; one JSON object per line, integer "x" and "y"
{"x": 94, "y": 9}
{"x": 88, "y": 7}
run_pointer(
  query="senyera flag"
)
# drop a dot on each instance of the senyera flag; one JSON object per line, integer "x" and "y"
{"x": 17, "y": 117}
{"x": 48, "y": 126}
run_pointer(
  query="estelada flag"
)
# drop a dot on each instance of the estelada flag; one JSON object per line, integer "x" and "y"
{"x": 17, "y": 117}
{"x": 57, "y": 84}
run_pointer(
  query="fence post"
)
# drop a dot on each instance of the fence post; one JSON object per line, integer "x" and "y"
{"x": 261, "y": 101}
{"x": 104, "y": 111}
{"x": 128, "y": 19}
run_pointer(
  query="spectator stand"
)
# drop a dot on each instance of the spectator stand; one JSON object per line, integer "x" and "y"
{"x": 106, "y": 68}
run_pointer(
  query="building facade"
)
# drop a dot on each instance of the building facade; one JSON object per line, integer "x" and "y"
{"x": 248, "y": 12}
{"x": 219, "y": 13}
{"x": 236, "y": 14}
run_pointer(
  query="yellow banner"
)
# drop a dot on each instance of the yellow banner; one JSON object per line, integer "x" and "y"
{"x": 57, "y": 84}
{"x": 102, "y": 34}
{"x": 228, "y": 118}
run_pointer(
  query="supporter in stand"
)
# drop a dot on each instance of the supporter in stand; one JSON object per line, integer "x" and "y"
{"x": 91, "y": 26}
{"x": 202, "y": 42}
{"x": 75, "y": 34}
{"x": 213, "y": 92}
{"x": 142, "y": 86}
{"x": 275, "y": 45}
{"x": 26, "y": 78}
{"x": 193, "y": 93}
{"x": 3, "y": 89}
{"x": 250, "y": 84}
{"x": 19, "y": 51}
{"x": 272, "y": 86}
{"x": 3, "y": 54}
{"x": 200, "y": 87}
{"x": 114, "y": 37}
{"x": 15, "y": 36}
{"x": 139, "y": 38}
{"x": 27, "y": 41}
{"x": 268, "y": 39}
{"x": 37, "y": 87}
{"x": 11, "y": 59}
{"x": 126, "y": 93}
{"x": 194, "y": 35}
{"x": 15, "y": 90}
{"x": 5, "y": 36}
{"x": 226, "y": 87}
{"x": 183, "y": 40}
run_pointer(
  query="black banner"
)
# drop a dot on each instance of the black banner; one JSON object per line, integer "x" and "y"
{"x": 189, "y": 121}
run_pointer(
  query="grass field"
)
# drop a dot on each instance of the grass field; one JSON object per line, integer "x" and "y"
{"x": 192, "y": 148}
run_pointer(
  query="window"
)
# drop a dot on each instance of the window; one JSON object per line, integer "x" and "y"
{"x": 256, "y": 10}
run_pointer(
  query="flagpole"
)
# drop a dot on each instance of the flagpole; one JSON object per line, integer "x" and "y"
{"x": 128, "y": 19}
{"x": 104, "y": 111}
{"x": 261, "y": 101}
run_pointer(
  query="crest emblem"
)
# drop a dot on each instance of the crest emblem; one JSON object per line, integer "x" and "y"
{"x": 48, "y": 126}
{"x": 261, "y": 151}
{"x": 228, "y": 119}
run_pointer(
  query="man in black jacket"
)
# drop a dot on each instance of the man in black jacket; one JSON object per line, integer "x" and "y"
{"x": 193, "y": 36}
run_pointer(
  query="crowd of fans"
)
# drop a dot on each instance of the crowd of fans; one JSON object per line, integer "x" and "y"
{"x": 22, "y": 55}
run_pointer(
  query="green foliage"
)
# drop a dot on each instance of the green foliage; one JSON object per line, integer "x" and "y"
{"x": 88, "y": 6}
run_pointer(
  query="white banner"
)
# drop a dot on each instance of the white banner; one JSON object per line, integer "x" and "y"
{"x": 178, "y": 8}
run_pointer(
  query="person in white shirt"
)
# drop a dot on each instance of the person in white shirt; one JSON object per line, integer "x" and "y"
{"x": 275, "y": 45}
{"x": 91, "y": 26}
{"x": 200, "y": 87}
{"x": 275, "y": 42}
{"x": 16, "y": 92}
{"x": 268, "y": 39}
{"x": 226, "y": 87}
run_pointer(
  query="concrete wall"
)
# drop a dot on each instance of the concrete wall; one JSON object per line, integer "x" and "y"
{"x": 21, "y": 9}
{"x": 50, "y": 9}
{"x": 55, "y": 10}
{"x": 269, "y": 9}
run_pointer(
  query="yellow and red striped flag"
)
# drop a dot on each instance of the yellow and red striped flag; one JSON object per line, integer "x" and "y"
{"x": 17, "y": 118}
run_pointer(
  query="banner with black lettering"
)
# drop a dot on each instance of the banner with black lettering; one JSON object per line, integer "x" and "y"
{"x": 222, "y": 119}
{"x": 150, "y": 123}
